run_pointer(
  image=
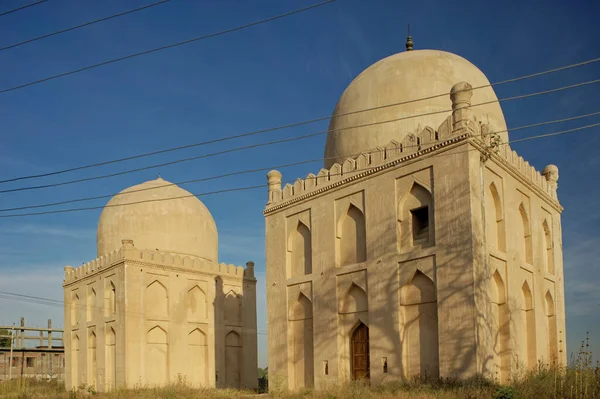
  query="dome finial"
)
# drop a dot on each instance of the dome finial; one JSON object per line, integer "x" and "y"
{"x": 409, "y": 42}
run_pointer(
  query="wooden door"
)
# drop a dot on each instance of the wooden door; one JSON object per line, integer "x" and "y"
{"x": 360, "y": 352}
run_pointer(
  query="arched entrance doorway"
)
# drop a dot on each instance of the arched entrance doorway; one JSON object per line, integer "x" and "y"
{"x": 359, "y": 345}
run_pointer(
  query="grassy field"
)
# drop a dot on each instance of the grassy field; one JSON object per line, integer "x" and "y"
{"x": 581, "y": 381}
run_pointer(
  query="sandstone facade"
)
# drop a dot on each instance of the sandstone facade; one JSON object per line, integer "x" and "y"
{"x": 436, "y": 252}
{"x": 157, "y": 308}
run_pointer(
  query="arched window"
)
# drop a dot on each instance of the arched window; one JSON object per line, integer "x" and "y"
{"x": 526, "y": 242}
{"x": 495, "y": 219}
{"x": 415, "y": 218}
{"x": 301, "y": 354}
{"x": 500, "y": 327}
{"x": 548, "y": 247}
{"x": 352, "y": 237}
{"x": 551, "y": 328}
{"x": 418, "y": 300}
{"x": 300, "y": 251}
{"x": 528, "y": 314}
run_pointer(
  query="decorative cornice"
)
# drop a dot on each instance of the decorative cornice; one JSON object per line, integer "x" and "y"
{"x": 368, "y": 172}
{"x": 160, "y": 260}
{"x": 502, "y": 161}
{"x": 521, "y": 171}
{"x": 189, "y": 271}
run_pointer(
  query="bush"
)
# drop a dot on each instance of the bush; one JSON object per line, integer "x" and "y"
{"x": 505, "y": 393}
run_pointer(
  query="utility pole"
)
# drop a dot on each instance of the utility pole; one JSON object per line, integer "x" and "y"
{"x": 12, "y": 337}
{"x": 50, "y": 355}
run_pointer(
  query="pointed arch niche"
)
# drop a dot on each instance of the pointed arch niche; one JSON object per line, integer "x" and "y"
{"x": 524, "y": 229}
{"x": 415, "y": 219}
{"x": 74, "y": 308}
{"x": 528, "y": 316}
{"x": 233, "y": 309}
{"x": 354, "y": 301}
{"x": 500, "y": 327}
{"x": 299, "y": 250}
{"x": 548, "y": 246}
{"x": 74, "y": 360}
{"x": 496, "y": 233}
{"x": 196, "y": 304}
{"x": 351, "y": 237}
{"x": 110, "y": 300}
{"x": 91, "y": 359}
{"x": 110, "y": 358}
{"x": 197, "y": 364}
{"x": 233, "y": 359}
{"x": 301, "y": 351}
{"x": 91, "y": 303}
{"x": 156, "y": 301}
{"x": 551, "y": 328}
{"x": 418, "y": 300}
{"x": 353, "y": 311}
{"x": 157, "y": 356}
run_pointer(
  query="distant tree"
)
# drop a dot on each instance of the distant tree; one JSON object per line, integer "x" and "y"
{"x": 263, "y": 380}
{"x": 4, "y": 342}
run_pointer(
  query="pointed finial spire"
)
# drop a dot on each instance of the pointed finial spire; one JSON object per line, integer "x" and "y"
{"x": 159, "y": 177}
{"x": 409, "y": 42}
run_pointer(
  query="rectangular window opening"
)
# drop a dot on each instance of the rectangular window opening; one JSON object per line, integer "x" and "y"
{"x": 420, "y": 223}
{"x": 325, "y": 367}
{"x": 30, "y": 362}
{"x": 384, "y": 364}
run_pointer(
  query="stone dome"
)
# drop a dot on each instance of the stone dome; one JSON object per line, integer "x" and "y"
{"x": 181, "y": 225}
{"x": 399, "y": 78}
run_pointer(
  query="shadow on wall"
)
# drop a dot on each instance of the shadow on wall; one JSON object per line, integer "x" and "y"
{"x": 229, "y": 334}
{"x": 418, "y": 302}
{"x": 456, "y": 318}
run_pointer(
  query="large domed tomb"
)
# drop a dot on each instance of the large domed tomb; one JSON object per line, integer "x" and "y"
{"x": 419, "y": 81}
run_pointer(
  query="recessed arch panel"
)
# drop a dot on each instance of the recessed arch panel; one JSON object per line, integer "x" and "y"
{"x": 233, "y": 359}
{"x": 156, "y": 301}
{"x": 352, "y": 237}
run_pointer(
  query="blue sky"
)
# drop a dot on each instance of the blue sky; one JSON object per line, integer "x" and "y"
{"x": 281, "y": 72}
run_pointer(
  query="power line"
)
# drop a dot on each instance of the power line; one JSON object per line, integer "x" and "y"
{"x": 211, "y": 35}
{"x": 274, "y": 142}
{"x": 81, "y": 25}
{"x": 21, "y": 8}
{"x": 53, "y": 302}
{"x": 282, "y": 166}
{"x": 287, "y": 126}
{"x": 259, "y": 185}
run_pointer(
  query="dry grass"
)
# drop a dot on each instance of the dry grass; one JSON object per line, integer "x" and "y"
{"x": 28, "y": 388}
{"x": 580, "y": 381}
